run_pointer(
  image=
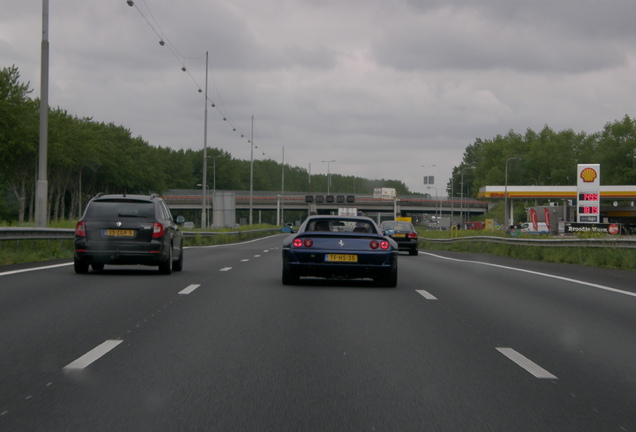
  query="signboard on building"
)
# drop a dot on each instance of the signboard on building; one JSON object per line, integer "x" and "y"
{"x": 384, "y": 193}
{"x": 588, "y": 188}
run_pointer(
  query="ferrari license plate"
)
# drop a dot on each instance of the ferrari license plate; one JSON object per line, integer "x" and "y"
{"x": 119, "y": 233}
{"x": 342, "y": 258}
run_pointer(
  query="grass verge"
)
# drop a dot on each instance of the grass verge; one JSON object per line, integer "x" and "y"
{"x": 23, "y": 251}
{"x": 606, "y": 257}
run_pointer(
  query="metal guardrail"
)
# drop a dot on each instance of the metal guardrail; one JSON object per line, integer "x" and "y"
{"x": 11, "y": 233}
{"x": 615, "y": 242}
{"x": 36, "y": 233}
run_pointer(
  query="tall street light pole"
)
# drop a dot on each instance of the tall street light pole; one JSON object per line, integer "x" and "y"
{"x": 42, "y": 186}
{"x": 328, "y": 175}
{"x": 251, "y": 169}
{"x": 204, "y": 182}
{"x": 461, "y": 194}
{"x": 282, "y": 188}
{"x": 506, "y": 217}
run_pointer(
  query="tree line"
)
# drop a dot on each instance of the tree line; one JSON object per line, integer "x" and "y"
{"x": 548, "y": 158}
{"x": 86, "y": 157}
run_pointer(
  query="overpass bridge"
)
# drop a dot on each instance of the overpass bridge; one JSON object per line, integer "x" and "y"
{"x": 274, "y": 207}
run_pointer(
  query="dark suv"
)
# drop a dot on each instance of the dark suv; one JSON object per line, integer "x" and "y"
{"x": 128, "y": 229}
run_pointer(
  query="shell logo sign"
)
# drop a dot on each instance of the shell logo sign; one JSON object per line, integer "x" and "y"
{"x": 588, "y": 175}
{"x": 589, "y": 193}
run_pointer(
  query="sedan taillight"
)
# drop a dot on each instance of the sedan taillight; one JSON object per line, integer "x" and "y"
{"x": 157, "y": 230}
{"x": 411, "y": 235}
{"x": 80, "y": 229}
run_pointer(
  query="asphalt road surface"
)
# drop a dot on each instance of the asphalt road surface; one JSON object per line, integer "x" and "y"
{"x": 464, "y": 343}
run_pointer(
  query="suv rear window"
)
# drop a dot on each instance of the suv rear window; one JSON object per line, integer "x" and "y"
{"x": 109, "y": 209}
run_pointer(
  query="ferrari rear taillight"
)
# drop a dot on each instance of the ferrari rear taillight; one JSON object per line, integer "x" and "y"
{"x": 300, "y": 242}
{"x": 384, "y": 245}
{"x": 157, "y": 230}
{"x": 80, "y": 229}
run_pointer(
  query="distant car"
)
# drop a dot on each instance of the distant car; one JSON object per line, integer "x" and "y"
{"x": 340, "y": 247}
{"x": 128, "y": 229}
{"x": 188, "y": 225}
{"x": 403, "y": 233}
{"x": 528, "y": 228}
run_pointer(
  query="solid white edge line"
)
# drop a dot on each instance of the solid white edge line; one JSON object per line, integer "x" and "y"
{"x": 590, "y": 284}
{"x": 426, "y": 295}
{"x": 234, "y": 244}
{"x": 526, "y": 363}
{"x": 189, "y": 289}
{"x": 34, "y": 269}
{"x": 93, "y": 354}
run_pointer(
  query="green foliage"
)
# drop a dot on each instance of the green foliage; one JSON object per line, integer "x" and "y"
{"x": 549, "y": 157}
{"x": 87, "y": 157}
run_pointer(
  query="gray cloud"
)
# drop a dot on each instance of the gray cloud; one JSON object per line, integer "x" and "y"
{"x": 382, "y": 86}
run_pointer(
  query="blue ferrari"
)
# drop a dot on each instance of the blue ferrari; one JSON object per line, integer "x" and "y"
{"x": 349, "y": 247}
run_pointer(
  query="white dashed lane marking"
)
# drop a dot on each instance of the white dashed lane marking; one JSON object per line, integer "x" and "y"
{"x": 189, "y": 289}
{"x": 526, "y": 363}
{"x": 226, "y": 269}
{"x": 93, "y": 355}
{"x": 426, "y": 295}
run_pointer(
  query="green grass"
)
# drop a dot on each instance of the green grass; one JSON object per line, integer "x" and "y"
{"x": 14, "y": 252}
{"x": 23, "y": 251}
{"x": 607, "y": 257}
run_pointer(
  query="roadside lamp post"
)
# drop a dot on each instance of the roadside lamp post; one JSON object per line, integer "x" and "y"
{"x": 506, "y": 217}
{"x": 461, "y": 195}
{"x": 328, "y": 175}
{"x": 436, "y": 199}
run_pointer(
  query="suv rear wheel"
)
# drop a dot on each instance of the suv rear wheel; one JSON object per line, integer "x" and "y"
{"x": 166, "y": 266}
{"x": 178, "y": 264}
{"x": 80, "y": 266}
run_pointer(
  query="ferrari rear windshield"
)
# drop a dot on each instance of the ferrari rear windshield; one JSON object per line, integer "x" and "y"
{"x": 340, "y": 225}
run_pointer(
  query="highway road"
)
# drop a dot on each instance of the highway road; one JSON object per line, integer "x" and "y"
{"x": 464, "y": 343}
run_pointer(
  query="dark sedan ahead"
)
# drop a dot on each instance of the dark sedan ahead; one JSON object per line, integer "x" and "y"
{"x": 403, "y": 233}
{"x": 349, "y": 247}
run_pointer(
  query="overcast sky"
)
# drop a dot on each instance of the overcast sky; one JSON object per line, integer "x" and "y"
{"x": 383, "y": 87}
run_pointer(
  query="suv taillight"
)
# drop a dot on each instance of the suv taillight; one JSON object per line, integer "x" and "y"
{"x": 157, "y": 230}
{"x": 80, "y": 229}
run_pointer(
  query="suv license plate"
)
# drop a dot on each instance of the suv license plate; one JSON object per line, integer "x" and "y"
{"x": 119, "y": 233}
{"x": 342, "y": 258}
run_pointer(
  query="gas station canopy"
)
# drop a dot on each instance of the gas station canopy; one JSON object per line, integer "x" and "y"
{"x": 554, "y": 192}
